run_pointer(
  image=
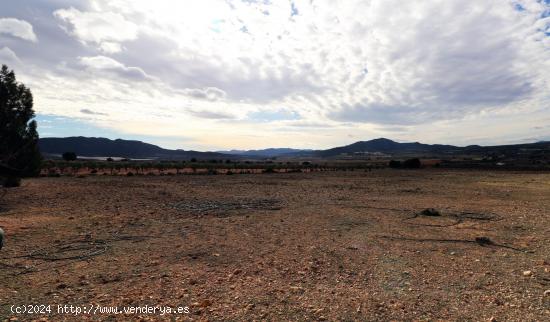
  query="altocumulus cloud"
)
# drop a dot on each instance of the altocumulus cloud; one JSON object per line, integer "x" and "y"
{"x": 111, "y": 66}
{"x": 17, "y": 28}
{"x": 104, "y": 29}
{"x": 90, "y": 112}
{"x": 209, "y": 93}
{"x": 8, "y": 56}
{"x": 358, "y": 66}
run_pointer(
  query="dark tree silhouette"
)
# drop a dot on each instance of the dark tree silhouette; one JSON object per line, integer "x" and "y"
{"x": 412, "y": 163}
{"x": 69, "y": 156}
{"x": 395, "y": 164}
{"x": 19, "y": 154}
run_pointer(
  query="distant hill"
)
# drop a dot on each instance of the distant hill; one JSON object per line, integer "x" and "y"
{"x": 387, "y": 146}
{"x": 508, "y": 149}
{"x": 267, "y": 153}
{"x": 390, "y": 147}
{"x": 102, "y": 147}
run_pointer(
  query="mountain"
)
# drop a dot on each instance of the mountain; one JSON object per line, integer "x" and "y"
{"x": 390, "y": 147}
{"x": 386, "y": 146}
{"x": 102, "y": 147}
{"x": 541, "y": 146}
{"x": 267, "y": 153}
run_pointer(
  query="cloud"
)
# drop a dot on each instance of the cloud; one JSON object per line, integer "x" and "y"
{"x": 111, "y": 66}
{"x": 211, "y": 115}
{"x": 469, "y": 68}
{"x": 105, "y": 29}
{"x": 17, "y": 28}
{"x": 306, "y": 124}
{"x": 394, "y": 129}
{"x": 209, "y": 93}
{"x": 9, "y": 57}
{"x": 110, "y": 47}
{"x": 394, "y": 114}
{"x": 90, "y": 112}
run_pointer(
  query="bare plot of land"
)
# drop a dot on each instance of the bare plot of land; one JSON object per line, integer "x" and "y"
{"x": 319, "y": 246}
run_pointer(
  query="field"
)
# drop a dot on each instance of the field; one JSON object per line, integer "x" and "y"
{"x": 343, "y": 245}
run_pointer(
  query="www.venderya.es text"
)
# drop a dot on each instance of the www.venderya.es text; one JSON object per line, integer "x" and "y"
{"x": 93, "y": 309}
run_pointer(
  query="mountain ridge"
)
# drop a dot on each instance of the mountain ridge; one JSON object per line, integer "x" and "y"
{"x": 103, "y": 147}
{"x": 384, "y": 145}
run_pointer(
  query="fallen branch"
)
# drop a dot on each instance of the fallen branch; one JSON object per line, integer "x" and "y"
{"x": 458, "y": 218}
{"x": 482, "y": 241}
{"x": 83, "y": 250}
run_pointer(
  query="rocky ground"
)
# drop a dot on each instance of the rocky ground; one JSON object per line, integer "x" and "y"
{"x": 320, "y": 246}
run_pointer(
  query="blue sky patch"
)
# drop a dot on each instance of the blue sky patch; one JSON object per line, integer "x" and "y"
{"x": 518, "y": 7}
{"x": 60, "y": 126}
{"x": 270, "y": 116}
{"x": 293, "y": 10}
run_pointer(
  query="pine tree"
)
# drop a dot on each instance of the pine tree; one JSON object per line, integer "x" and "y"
{"x": 19, "y": 153}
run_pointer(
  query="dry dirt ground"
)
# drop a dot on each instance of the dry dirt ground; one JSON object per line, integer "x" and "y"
{"x": 340, "y": 246}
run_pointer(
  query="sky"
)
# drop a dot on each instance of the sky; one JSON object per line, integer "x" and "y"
{"x": 249, "y": 74}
